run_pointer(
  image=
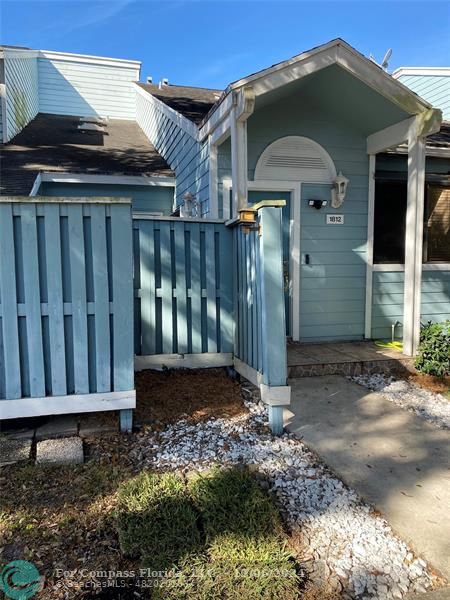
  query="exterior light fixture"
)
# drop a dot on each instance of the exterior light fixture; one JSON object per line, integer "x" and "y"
{"x": 339, "y": 190}
{"x": 189, "y": 208}
{"x": 247, "y": 215}
{"x": 318, "y": 204}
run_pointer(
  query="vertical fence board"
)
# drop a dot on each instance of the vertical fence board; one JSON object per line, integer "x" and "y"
{"x": 32, "y": 301}
{"x": 180, "y": 268}
{"x": 166, "y": 289}
{"x": 79, "y": 308}
{"x": 147, "y": 276}
{"x": 196, "y": 292}
{"x": 55, "y": 300}
{"x": 211, "y": 303}
{"x": 225, "y": 285}
{"x": 122, "y": 283}
{"x": 101, "y": 298}
{"x": 10, "y": 329}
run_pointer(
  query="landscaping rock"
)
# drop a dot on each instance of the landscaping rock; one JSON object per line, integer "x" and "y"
{"x": 64, "y": 451}
{"x": 353, "y": 547}
{"x": 432, "y": 407}
{"x": 14, "y": 451}
{"x": 59, "y": 426}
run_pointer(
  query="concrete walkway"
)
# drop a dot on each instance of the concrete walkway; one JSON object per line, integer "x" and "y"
{"x": 396, "y": 461}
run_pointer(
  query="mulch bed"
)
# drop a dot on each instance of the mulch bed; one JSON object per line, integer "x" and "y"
{"x": 438, "y": 385}
{"x": 164, "y": 397}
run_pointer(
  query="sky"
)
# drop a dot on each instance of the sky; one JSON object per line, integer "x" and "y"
{"x": 192, "y": 42}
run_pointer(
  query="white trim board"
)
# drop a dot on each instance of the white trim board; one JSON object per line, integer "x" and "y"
{"x": 279, "y": 395}
{"x": 61, "y": 405}
{"x": 183, "y": 361}
{"x": 370, "y": 236}
{"x": 90, "y": 59}
{"x": 67, "y": 177}
{"x": 429, "y": 71}
{"x": 183, "y": 123}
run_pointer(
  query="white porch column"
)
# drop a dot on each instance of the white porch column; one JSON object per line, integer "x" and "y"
{"x": 243, "y": 107}
{"x": 213, "y": 192}
{"x": 414, "y": 243}
{"x": 238, "y": 162}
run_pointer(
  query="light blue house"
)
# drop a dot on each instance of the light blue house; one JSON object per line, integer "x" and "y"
{"x": 359, "y": 247}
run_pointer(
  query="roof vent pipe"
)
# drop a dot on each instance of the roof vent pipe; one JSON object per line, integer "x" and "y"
{"x": 165, "y": 81}
{"x": 149, "y": 79}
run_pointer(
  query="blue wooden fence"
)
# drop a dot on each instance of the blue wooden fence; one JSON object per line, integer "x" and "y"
{"x": 66, "y": 305}
{"x": 182, "y": 287}
{"x": 260, "y": 338}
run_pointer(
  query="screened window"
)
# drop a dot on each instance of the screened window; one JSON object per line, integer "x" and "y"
{"x": 437, "y": 224}
{"x": 389, "y": 222}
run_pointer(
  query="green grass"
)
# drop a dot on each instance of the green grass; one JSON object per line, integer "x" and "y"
{"x": 156, "y": 520}
{"x": 220, "y": 531}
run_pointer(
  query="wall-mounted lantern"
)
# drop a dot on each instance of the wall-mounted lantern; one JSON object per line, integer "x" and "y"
{"x": 339, "y": 190}
{"x": 189, "y": 208}
{"x": 318, "y": 204}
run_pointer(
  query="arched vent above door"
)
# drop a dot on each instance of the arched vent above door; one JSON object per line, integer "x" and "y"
{"x": 295, "y": 158}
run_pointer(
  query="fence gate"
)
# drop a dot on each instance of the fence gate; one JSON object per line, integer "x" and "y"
{"x": 183, "y": 292}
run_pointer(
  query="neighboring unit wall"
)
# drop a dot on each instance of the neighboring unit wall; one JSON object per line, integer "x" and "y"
{"x": 387, "y": 300}
{"x": 174, "y": 137}
{"x": 21, "y": 92}
{"x": 431, "y": 86}
{"x": 153, "y": 199}
{"x": 2, "y": 97}
{"x": 71, "y": 84}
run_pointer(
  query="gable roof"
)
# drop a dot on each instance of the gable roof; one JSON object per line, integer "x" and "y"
{"x": 54, "y": 143}
{"x": 194, "y": 103}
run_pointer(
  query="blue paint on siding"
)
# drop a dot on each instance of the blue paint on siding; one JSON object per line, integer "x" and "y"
{"x": 184, "y": 154}
{"x": 158, "y": 199}
{"x": 21, "y": 87}
{"x": 435, "y": 89}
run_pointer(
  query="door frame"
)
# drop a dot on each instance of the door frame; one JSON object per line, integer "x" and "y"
{"x": 294, "y": 187}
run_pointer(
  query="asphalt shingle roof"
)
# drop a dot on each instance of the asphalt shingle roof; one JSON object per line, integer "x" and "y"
{"x": 54, "y": 143}
{"x": 192, "y": 102}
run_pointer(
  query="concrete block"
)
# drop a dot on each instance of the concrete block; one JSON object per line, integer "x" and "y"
{"x": 14, "y": 451}
{"x": 60, "y": 426}
{"x": 63, "y": 451}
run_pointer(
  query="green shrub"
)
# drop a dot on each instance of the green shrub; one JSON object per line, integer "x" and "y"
{"x": 156, "y": 520}
{"x": 433, "y": 355}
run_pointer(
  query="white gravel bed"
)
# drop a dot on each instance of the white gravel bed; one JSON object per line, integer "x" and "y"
{"x": 358, "y": 547}
{"x": 428, "y": 405}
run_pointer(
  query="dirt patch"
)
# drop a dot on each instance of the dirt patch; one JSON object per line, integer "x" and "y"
{"x": 163, "y": 397}
{"x": 438, "y": 385}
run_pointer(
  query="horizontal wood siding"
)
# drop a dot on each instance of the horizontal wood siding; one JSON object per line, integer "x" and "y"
{"x": 78, "y": 88}
{"x": 433, "y": 88}
{"x": 387, "y": 300}
{"x": 182, "y": 287}
{"x": 66, "y": 299}
{"x": 187, "y": 157}
{"x": 21, "y": 91}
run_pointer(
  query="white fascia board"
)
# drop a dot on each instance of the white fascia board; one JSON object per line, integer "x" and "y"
{"x": 56, "y": 177}
{"x": 89, "y": 59}
{"x": 18, "y": 53}
{"x": 220, "y": 113}
{"x": 183, "y": 123}
{"x": 427, "y": 71}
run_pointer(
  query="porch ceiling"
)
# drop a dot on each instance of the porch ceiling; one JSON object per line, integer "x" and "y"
{"x": 341, "y": 95}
